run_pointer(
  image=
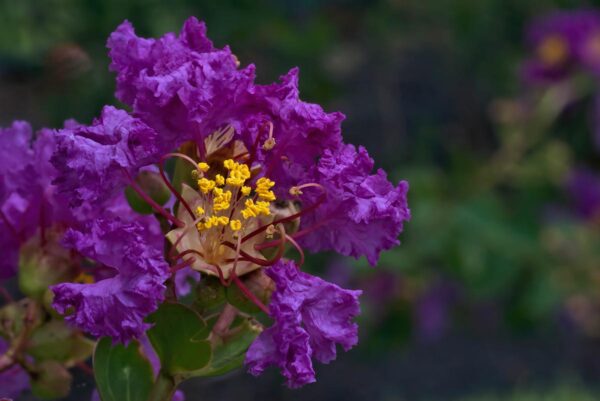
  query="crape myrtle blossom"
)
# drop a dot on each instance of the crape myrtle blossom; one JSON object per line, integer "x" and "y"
{"x": 566, "y": 44}
{"x": 563, "y": 42}
{"x": 257, "y": 169}
{"x": 311, "y": 317}
{"x": 28, "y": 205}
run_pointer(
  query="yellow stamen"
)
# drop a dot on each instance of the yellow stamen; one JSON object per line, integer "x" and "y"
{"x": 206, "y": 185}
{"x": 203, "y": 167}
{"x": 235, "y": 225}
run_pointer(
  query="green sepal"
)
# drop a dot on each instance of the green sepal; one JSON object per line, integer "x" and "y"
{"x": 57, "y": 341}
{"x": 41, "y": 267}
{"x": 122, "y": 373}
{"x": 179, "y": 337}
{"x": 229, "y": 352}
{"x": 209, "y": 296}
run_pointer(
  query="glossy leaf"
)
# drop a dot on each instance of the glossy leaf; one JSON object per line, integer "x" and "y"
{"x": 229, "y": 353}
{"x": 179, "y": 338}
{"x": 122, "y": 373}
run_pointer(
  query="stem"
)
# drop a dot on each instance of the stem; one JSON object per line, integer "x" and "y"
{"x": 163, "y": 388}
{"x": 157, "y": 208}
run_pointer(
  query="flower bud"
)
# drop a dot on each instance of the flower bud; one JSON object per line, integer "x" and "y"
{"x": 41, "y": 266}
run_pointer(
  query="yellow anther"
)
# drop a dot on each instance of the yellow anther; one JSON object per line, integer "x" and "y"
{"x": 268, "y": 196}
{"x": 223, "y": 220}
{"x": 238, "y": 174}
{"x": 84, "y": 278}
{"x": 269, "y": 144}
{"x": 206, "y": 185}
{"x": 229, "y": 164}
{"x": 245, "y": 190}
{"x": 195, "y": 174}
{"x": 220, "y": 180}
{"x": 263, "y": 207}
{"x": 199, "y": 211}
{"x": 264, "y": 184}
{"x": 212, "y": 221}
{"x": 254, "y": 209}
{"x": 203, "y": 167}
{"x": 295, "y": 191}
{"x": 235, "y": 225}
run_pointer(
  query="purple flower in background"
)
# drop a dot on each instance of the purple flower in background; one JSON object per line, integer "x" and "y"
{"x": 563, "y": 42}
{"x": 583, "y": 187}
{"x": 311, "y": 317}
{"x": 14, "y": 380}
{"x": 432, "y": 310}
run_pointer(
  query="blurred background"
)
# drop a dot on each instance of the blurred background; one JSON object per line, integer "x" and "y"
{"x": 494, "y": 294}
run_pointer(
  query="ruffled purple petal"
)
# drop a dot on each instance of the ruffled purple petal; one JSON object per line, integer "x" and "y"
{"x": 93, "y": 160}
{"x": 115, "y": 306}
{"x": 363, "y": 213}
{"x": 180, "y": 85}
{"x": 311, "y": 317}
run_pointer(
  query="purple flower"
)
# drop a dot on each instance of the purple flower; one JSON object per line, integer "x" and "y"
{"x": 94, "y": 161}
{"x": 115, "y": 306}
{"x": 363, "y": 212}
{"x": 583, "y": 187}
{"x": 185, "y": 89}
{"x": 14, "y": 380}
{"x": 311, "y": 317}
{"x": 184, "y": 280}
{"x": 563, "y": 41}
{"x": 29, "y": 203}
{"x": 178, "y": 84}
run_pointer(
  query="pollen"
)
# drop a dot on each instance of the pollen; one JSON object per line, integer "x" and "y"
{"x": 206, "y": 185}
{"x": 204, "y": 167}
{"x": 255, "y": 209}
{"x": 238, "y": 173}
{"x": 228, "y": 202}
{"x": 235, "y": 225}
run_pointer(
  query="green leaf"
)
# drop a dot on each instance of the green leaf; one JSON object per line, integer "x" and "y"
{"x": 57, "y": 341}
{"x": 230, "y": 352}
{"x": 179, "y": 338}
{"x": 122, "y": 372}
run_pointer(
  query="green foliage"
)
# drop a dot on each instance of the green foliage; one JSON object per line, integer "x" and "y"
{"x": 122, "y": 373}
{"x": 57, "y": 341}
{"x": 179, "y": 337}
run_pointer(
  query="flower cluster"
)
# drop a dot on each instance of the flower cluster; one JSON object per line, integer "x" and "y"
{"x": 562, "y": 43}
{"x": 256, "y": 170}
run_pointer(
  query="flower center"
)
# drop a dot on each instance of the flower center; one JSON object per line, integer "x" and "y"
{"x": 226, "y": 206}
{"x": 553, "y": 51}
